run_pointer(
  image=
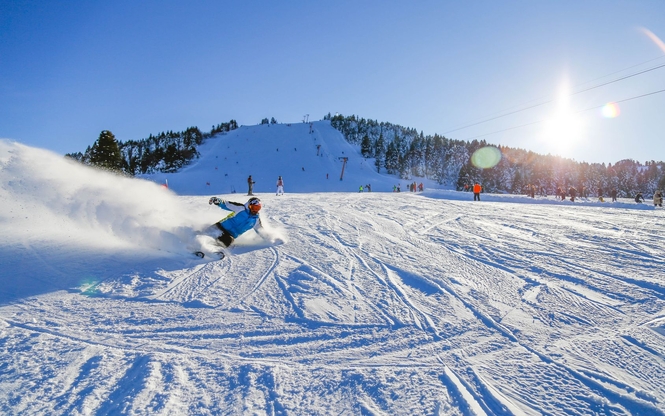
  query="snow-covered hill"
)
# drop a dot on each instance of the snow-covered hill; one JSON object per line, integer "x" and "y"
{"x": 376, "y": 303}
{"x": 308, "y": 156}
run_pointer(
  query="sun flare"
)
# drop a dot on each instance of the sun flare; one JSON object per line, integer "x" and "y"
{"x": 564, "y": 128}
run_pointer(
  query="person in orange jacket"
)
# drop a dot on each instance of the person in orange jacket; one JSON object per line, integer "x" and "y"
{"x": 476, "y": 191}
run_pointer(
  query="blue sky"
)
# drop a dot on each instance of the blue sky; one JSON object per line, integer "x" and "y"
{"x": 72, "y": 69}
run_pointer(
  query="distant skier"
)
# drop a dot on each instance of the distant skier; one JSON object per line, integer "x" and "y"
{"x": 476, "y": 191}
{"x": 250, "y": 185}
{"x": 639, "y": 198}
{"x": 573, "y": 193}
{"x": 658, "y": 199}
{"x": 280, "y": 186}
{"x": 243, "y": 217}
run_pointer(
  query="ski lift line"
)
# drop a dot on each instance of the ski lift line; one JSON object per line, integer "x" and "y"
{"x": 621, "y": 70}
{"x": 536, "y": 99}
{"x": 588, "y": 82}
{"x": 549, "y": 101}
{"x": 624, "y": 100}
{"x": 620, "y": 79}
{"x": 577, "y": 112}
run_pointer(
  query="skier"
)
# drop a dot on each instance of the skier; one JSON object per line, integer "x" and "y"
{"x": 250, "y": 185}
{"x": 280, "y": 186}
{"x": 658, "y": 199}
{"x": 476, "y": 191}
{"x": 243, "y": 217}
{"x": 639, "y": 198}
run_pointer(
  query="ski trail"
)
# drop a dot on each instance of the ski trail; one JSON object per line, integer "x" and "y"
{"x": 467, "y": 401}
{"x": 395, "y": 283}
{"x": 270, "y": 270}
{"x": 175, "y": 286}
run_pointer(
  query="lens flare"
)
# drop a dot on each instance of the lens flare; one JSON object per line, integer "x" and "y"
{"x": 654, "y": 38}
{"x": 486, "y": 157}
{"x": 611, "y": 110}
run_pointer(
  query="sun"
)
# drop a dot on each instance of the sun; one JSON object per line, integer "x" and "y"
{"x": 563, "y": 130}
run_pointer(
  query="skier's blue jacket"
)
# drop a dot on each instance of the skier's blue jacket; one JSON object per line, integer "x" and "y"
{"x": 240, "y": 220}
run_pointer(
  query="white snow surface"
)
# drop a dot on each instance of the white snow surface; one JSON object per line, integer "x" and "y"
{"x": 374, "y": 303}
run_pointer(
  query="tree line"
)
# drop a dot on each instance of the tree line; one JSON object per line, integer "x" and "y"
{"x": 403, "y": 152}
{"x": 165, "y": 152}
{"x": 407, "y": 153}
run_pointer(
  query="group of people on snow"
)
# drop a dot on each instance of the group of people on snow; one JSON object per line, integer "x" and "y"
{"x": 639, "y": 197}
{"x": 413, "y": 187}
{"x": 657, "y": 198}
{"x": 279, "y": 184}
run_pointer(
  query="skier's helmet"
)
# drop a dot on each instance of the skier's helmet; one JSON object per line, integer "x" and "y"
{"x": 254, "y": 205}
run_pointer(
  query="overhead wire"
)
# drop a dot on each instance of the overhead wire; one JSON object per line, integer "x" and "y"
{"x": 569, "y": 95}
{"x": 576, "y": 112}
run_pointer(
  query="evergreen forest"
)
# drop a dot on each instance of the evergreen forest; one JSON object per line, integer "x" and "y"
{"x": 406, "y": 153}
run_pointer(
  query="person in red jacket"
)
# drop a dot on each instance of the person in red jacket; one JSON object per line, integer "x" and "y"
{"x": 476, "y": 191}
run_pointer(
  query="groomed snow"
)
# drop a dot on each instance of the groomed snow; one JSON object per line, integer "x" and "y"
{"x": 360, "y": 303}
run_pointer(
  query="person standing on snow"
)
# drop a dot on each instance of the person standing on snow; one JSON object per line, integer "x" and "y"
{"x": 573, "y": 193}
{"x": 250, "y": 185}
{"x": 280, "y": 186}
{"x": 242, "y": 218}
{"x": 658, "y": 199}
{"x": 476, "y": 191}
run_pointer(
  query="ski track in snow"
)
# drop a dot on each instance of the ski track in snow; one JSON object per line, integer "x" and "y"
{"x": 378, "y": 303}
{"x": 457, "y": 312}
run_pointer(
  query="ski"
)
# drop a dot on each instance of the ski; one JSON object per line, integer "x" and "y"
{"x": 202, "y": 255}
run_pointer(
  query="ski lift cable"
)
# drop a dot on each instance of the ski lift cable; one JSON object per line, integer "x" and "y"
{"x": 551, "y": 100}
{"x": 577, "y": 112}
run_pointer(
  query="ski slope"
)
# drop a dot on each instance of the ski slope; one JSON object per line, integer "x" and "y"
{"x": 308, "y": 158}
{"x": 374, "y": 303}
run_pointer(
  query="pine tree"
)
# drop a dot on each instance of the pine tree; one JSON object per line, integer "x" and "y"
{"x": 366, "y": 147}
{"x": 379, "y": 152}
{"x": 105, "y": 152}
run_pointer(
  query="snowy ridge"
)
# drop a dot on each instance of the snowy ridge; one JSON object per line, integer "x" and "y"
{"x": 375, "y": 303}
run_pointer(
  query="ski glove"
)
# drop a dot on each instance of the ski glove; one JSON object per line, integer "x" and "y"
{"x": 215, "y": 200}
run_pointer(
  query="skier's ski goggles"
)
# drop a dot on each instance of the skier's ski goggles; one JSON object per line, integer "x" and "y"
{"x": 254, "y": 206}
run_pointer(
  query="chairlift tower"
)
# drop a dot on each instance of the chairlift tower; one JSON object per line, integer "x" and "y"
{"x": 344, "y": 160}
